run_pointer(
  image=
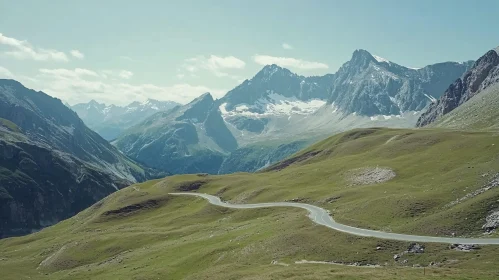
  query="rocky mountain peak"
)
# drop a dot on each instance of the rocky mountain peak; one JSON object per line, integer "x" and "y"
{"x": 94, "y": 103}
{"x": 362, "y": 55}
{"x": 489, "y": 58}
{"x": 361, "y": 58}
{"x": 10, "y": 82}
{"x": 204, "y": 99}
{"x": 199, "y": 108}
{"x": 371, "y": 85}
{"x": 270, "y": 71}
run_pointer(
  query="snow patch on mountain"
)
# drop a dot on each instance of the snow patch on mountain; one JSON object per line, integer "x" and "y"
{"x": 380, "y": 59}
{"x": 274, "y": 105}
{"x": 432, "y": 99}
{"x": 385, "y": 117}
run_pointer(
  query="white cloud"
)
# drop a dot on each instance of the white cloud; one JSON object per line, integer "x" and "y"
{"x": 81, "y": 85}
{"x": 180, "y": 76}
{"x": 5, "y": 73}
{"x": 68, "y": 73}
{"x": 23, "y": 50}
{"x": 289, "y": 62}
{"x": 216, "y": 65}
{"x": 126, "y": 74}
{"x": 287, "y": 46}
{"x": 116, "y": 74}
{"x": 230, "y": 62}
{"x": 77, "y": 54}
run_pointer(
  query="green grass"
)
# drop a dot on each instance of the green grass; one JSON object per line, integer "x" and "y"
{"x": 10, "y": 125}
{"x": 478, "y": 113}
{"x": 143, "y": 233}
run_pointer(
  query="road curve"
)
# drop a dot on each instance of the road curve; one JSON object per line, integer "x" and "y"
{"x": 320, "y": 216}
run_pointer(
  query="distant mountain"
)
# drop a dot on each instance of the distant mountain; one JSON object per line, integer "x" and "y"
{"x": 51, "y": 164}
{"x": 483, "y": 74}
{"x": 274, "y": 84}
{"x": 268, "y": 116}
{"x": 110, "y": 120}
{"x": 370, "y": 85}
{"x": 187, "y": 139}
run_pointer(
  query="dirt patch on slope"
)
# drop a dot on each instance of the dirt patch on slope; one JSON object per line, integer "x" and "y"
{"x": 285, "y": 163}
{"x": 357, "y": 133}
{"x": 190, "y": 185}
{"x": 135, "y": 208}
{"x": 370, "y": 175}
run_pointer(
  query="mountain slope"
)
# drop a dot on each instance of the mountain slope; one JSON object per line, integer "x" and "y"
{"x": 369, "y": 85}
{"x": 45, "y": 119}
{"x": 52, "y": 165}
{"x": 478, "y": 113}
{"x": 142, "y": 232}
{"x": 187, "y": 139}
{"x": 110, "y": 121}
{"x": 484, "y": 73}
{"x": 40, "y": 186}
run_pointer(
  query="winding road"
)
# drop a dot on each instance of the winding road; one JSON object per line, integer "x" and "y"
{"x": 321, "y": 216}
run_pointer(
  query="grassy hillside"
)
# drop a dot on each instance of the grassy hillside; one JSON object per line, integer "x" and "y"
{"x": 479, "y": 113}
{"x": 141, "y": 232}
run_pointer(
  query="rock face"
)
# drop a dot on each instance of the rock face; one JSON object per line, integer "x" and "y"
{"x": 110, "y": 120}
{"x": 187, "y": 139}
{"x": 370, "y": 85}
{"x": 491, "y": 222}
{"x": 484, "y": 73}
{"x": 51, "y": 165}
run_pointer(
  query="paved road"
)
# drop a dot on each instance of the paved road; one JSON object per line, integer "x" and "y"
{"x": 322, "y": 217}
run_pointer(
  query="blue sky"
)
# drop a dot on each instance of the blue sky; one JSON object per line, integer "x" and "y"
{"x": 121, "y": 51}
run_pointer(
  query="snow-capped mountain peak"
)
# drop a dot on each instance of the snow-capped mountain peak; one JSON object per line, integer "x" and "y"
{"x": 380, "y": 59}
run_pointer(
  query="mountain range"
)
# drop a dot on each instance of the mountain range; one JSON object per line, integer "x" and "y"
{"x": 280, "y": 112}
{"x": 110, "y": 120}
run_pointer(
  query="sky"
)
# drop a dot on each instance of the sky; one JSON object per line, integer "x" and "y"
{"x": 117, "y": 52}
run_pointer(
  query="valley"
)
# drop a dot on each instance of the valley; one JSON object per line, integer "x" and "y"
{"x": 249, "y": 140}
{"x": 184, "y": 237}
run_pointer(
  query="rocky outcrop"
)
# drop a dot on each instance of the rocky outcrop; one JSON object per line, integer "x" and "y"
{"x": 491, "y": 221}
{"x": 485, "y": 72}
